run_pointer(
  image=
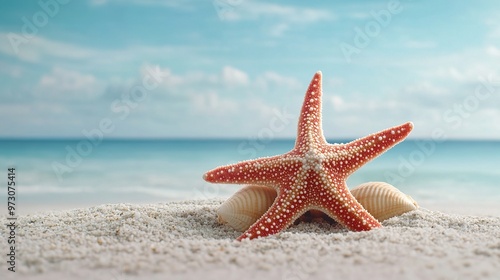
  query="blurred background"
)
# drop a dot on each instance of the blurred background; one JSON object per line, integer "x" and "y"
{"x": 108, "y": 101}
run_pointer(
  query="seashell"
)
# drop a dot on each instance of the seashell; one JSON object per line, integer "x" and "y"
{"x": 382, "y": 200}
{"x": 248, "y": 204}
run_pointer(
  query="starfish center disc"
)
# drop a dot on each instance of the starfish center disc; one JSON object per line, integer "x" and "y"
{"x": 313, "y": 161}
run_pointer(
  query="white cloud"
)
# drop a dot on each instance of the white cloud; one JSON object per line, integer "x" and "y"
{"x": 210, "y": 103}
{"x": 457, "y": 68}
{"x": 257, "y": 10}
{"x": 337, "y": 102}
{"x": 224, "y": 83}
{"x": 234, "y": 77}
{"x": 214, "y": 97}
{"x": 270, "y": 79}
{"x": 493, "y": 51}
{"x": 196, "y": 103}
{"x": 426, "y": 88}
{"x": 263, "y": 109}
{"x": 430, "y": 106}
{"x": 36, "y": 48}
{"x": 280, "y": 18}
{"x": 279, "y": 29}
{"x": 68, "y": 84}
{"x": 47, "y": 51}
{"x": 207, "y": 93}
{"x": 461, "y": 74}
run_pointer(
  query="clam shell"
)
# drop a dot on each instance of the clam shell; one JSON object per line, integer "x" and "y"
{"x": 248, "y": 204}
{"x": 382, "y": 200}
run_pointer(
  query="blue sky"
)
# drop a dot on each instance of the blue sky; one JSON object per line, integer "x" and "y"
{"x": 232, "y": 68}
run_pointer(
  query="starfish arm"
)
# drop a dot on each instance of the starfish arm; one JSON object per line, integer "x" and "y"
{"x": 309, "y": 127}
{"x": 351, "y": 156}
{"x": 266, "y": 171}
{"x": 282, "y": 213}
{"x": 343, "y": 207}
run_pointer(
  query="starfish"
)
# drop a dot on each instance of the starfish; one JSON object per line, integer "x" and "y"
{"x": 312, "y": 175}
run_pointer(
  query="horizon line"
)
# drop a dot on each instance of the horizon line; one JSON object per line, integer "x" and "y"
{"x": 224, "y": 139}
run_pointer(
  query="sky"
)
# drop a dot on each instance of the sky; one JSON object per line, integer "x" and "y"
{"x": 240, "y": 68}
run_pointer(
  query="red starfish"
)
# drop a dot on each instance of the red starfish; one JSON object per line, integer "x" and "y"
{"x": 313, "y": 174}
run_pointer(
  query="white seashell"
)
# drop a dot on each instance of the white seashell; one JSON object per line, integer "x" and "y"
{"x": 382, "y": 200}
{"x": 248, "y": 204}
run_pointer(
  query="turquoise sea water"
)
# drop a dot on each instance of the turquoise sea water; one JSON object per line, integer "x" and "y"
{"x": 78, "y": 172}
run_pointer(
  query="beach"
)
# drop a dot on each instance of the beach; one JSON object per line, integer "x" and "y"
{"x": 182, "y": 240}
{"x": 127, "y": 124}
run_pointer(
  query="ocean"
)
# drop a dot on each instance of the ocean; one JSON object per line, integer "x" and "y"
{"x": 58, "y": 174}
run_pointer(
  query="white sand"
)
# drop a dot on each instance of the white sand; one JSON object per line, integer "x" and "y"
{"x": 182, "y": 240}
